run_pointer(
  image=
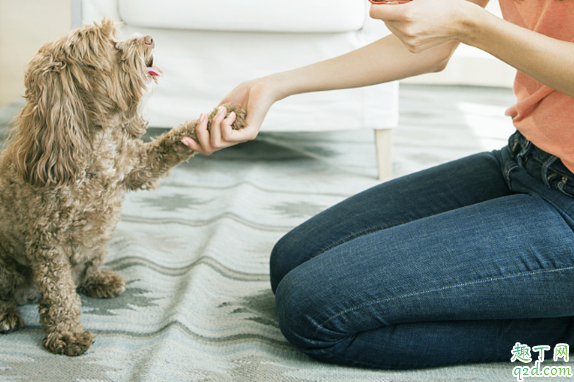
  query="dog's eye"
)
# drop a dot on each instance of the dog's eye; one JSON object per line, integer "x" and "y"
{"x": 91, "y": 67}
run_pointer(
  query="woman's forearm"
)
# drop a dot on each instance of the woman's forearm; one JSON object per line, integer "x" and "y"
{"x": 382, "y": 61}
{"x": 545, "y": 59}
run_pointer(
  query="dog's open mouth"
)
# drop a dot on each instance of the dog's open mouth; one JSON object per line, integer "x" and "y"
{"x": 150, "y": 69}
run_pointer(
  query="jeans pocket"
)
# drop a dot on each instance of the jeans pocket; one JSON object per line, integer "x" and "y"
{"x": 562, "y": 184}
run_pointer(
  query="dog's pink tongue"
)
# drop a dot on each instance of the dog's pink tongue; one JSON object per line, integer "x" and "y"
{"x": 153, "y": 71}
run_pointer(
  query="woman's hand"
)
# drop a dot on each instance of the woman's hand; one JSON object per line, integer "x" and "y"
{"x": 423, "y": 24}
{"x": 256, "y": 97}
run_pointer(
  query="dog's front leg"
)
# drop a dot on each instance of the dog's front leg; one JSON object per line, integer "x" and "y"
{"x": 59, "y": 305}
{"x": 167, "y": 151}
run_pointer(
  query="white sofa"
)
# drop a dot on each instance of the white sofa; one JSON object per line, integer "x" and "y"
{"x": 207, "y": 47}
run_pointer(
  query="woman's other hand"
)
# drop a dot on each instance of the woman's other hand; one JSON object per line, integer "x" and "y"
{"x": 423, "y": 24}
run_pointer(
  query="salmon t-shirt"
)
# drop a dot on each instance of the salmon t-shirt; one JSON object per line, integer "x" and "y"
{"x": 543, "y": 115}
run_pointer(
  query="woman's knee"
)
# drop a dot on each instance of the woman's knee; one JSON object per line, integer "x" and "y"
{"x": 301, "y": 315}
{"x": 283, "y": 259}
{"x": 300, "y": 306}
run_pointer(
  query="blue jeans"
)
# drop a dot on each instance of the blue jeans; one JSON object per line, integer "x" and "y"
{"x": 446, "y": 266}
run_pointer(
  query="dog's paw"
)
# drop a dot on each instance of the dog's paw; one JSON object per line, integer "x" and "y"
{"x": 10, "y": 318}
{"x": 103, "y": 284}
{"x": 68, "y": 343}
{"x": 240, "y": 114}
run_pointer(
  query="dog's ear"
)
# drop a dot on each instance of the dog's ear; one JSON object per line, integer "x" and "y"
{"x": 90, "y": 46}
{"x": 51, "y": 139}
{"x": 110, "y": 28}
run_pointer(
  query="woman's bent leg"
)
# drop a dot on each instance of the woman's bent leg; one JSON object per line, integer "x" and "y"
{"x": 461, "y": 286}
{"x": 437, "y": 268}
{"x": 444, "y": 188}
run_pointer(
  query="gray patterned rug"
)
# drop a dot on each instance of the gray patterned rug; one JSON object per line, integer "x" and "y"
{"x": 198, "y": 305}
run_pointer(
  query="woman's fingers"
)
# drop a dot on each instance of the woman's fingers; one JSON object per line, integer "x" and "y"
{"x": 202, "y": 144}
{"x": 388, "y": 12}
{"x": 218, "y": 136}
{"x": 423, "y": 24}
{"x": 226, "y": 129}
{"x": 215, "y": 131}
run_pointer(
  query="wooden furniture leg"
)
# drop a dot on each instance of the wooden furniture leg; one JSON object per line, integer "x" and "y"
{"x": 384, "y": 145}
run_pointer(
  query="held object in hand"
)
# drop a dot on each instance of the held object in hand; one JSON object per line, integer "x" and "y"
{"x": 379, "y": 2}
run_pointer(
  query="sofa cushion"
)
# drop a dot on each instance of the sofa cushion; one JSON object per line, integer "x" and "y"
{"x": 246, "y": 15}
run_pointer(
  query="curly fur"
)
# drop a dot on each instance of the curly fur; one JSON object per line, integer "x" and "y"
{"x": 74, "y": 151}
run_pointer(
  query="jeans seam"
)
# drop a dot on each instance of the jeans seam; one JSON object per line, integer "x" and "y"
{"x": 359, "y": 234}
{"x": 436, "y": 290}
{"x": 354, "y": 361}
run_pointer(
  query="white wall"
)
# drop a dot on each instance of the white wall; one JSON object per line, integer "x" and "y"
{"x": 25, "y": 25}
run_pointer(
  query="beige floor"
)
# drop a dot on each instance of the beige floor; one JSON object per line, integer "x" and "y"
{"x": 25, "y": 25}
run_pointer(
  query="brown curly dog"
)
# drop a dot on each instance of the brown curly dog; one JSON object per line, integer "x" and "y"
{"x": 74, "y": 150}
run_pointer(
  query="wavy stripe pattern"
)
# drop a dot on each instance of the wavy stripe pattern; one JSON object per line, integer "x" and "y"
{"x": 195, "y": 254}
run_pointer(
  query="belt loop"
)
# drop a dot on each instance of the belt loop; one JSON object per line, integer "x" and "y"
{"x": 545, "y": 166}
{"x": 523, "y": 153}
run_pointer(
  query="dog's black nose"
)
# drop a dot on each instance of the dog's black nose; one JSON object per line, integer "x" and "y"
{"x": 147, "y": 40}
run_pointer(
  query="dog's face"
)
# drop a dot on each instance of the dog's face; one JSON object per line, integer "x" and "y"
{"x": 75, "y": 86}
{"x": 105, "y": 74}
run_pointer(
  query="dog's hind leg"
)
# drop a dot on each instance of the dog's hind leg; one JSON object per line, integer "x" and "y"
{"x": 99, "y": 283}
{"x": 10, "y": 318}
{"x": 10, "y": 280}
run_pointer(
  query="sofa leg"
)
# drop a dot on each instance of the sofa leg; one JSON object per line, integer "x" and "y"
{"x": 384, "y": 145}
